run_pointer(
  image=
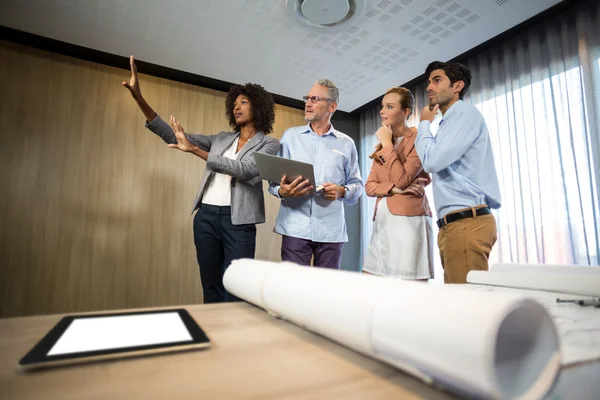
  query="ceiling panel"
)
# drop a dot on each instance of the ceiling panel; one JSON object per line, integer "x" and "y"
{"x": 242, "y": 41}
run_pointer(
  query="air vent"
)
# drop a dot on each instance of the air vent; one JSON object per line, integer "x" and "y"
{"x": 395, "y": 9}
{"x": 373, "y": 13}
{"x": 429, "y": 11}
{"x": 463, "y": 13}
{"x": 449, "y": 21}
{"x": 439, "y": 16}
{"x": 472, "y": 18}
{"x": 327, "y": 15}
{"x": 453, "y": 8}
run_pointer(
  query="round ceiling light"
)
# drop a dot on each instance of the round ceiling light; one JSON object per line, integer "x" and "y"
{"x": 325, "y": 15}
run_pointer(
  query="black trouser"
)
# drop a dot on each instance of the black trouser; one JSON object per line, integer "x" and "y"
{"x": 219, "y": 242}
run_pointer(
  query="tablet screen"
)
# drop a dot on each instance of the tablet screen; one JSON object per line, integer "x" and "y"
{"x": 114, "y": 332}
{"x": 91, "y": 337}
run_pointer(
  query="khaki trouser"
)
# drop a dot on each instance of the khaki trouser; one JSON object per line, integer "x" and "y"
{"x": 465, "y": 245}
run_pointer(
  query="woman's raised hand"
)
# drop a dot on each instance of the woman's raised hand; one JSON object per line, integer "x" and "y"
{"x": 133, "y": 85}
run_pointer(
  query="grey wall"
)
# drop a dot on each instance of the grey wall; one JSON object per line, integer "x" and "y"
{"x": 351, "y": 256}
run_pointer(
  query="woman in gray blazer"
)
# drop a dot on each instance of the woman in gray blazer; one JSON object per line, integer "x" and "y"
{"x": 230, "y": 199}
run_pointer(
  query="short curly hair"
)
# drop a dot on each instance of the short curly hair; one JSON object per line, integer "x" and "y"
{"x": 261, "y": 103}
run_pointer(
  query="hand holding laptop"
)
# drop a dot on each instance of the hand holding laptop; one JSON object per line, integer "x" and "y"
{"x": 333, "y": 191}
{"x": 297, "y": 188}
{"x": 296, "y": 179}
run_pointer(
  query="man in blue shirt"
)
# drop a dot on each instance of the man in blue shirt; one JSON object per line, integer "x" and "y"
{"x": 465, "y": 184}
{"x": 311, "y": 220}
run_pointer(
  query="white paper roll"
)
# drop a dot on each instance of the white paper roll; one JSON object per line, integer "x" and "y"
{"x": 479, "y": 346}
{"x": 476, "y": 344}
{"x": 583, "y": 284}
{"x": 547, "y": 268}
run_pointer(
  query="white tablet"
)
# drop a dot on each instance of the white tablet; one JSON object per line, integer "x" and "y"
{"x": 84, "y": 338}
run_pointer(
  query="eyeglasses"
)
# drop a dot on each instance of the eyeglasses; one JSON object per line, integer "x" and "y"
{"x": 315, "y": 99}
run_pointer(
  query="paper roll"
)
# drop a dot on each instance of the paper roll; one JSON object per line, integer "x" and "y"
{"x": 477, "y": 344}
{"x": 582, "y": 284}
{"x": 547, "y": 268}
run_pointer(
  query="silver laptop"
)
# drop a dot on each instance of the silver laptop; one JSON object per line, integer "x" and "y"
{"x": 272, "y": 168}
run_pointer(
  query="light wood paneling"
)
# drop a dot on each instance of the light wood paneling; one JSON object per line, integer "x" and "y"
{"x": 95, "y": 209}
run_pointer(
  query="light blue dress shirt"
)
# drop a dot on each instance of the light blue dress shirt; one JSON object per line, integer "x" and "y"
{"x": 460, "y": 159}
{"x": 335, "y": 160}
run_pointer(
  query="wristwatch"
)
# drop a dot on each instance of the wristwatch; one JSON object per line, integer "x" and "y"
{"x": 346, "y": 190}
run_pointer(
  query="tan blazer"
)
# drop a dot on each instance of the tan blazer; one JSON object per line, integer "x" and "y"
{"x": 398, "y": 168}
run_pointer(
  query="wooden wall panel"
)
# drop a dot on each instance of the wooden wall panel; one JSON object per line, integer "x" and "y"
{"x": 95, "y": 209}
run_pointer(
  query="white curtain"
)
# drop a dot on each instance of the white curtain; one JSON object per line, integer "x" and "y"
{"x": 540, "y": 95}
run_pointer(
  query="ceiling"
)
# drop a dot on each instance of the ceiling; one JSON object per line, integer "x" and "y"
{"x": 239, "y": 41}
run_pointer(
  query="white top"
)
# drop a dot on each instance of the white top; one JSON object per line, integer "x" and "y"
{"x": 397, "y": 142}
{"x": 218, "y": 192}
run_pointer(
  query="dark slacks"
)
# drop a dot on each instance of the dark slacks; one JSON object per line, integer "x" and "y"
{"x": 301, "y": 251}
{"x": 219, "y": 242}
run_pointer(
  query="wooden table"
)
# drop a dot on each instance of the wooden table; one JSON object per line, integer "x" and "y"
{"x": 253, "y": 356}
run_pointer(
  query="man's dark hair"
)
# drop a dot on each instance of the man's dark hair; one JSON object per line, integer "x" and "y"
{"x": 261, "y": 102}
{"x": 455, "y": 72}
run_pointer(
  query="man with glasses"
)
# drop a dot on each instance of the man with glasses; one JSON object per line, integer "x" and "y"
{"x": 311, "y": 220}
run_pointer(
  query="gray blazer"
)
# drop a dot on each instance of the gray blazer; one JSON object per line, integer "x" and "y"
{"x": 247, "y": 201}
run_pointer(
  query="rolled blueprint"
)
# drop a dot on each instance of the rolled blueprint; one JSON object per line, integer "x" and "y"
{"x": 547, "y": 268}
{"x": 579, "y": 280}
{"x": 485, "y": 345}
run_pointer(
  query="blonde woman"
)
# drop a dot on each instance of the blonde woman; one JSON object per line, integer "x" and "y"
{"x": 401, "y": 245}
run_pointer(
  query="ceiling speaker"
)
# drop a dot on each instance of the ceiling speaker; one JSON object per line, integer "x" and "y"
{"x": 328, "y": 16}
